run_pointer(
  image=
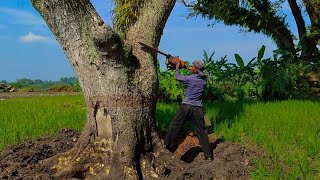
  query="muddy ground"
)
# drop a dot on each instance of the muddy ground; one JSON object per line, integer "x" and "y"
{"x": 231, "y": 161}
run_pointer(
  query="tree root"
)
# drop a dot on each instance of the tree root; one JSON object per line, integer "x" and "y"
{"x": 160, "y": 164}
{"x": 88, "y": 163}
{"x": 97, "y": 161}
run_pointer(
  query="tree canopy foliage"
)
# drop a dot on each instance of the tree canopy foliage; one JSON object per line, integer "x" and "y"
{"x": 265, "y": 16}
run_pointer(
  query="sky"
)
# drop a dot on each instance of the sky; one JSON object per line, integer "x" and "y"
{"x": 29, "y": 49}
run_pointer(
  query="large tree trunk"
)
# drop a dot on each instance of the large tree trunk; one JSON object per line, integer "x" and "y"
{"x": 308, "y": 44}
{"x": 119, "y": 82}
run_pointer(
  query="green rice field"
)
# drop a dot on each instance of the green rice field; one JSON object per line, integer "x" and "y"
{"x": 289, "y": 131}
{"x": 22, "y": 118}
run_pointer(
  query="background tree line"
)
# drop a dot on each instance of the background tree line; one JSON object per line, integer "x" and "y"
{"x": 260, "y": 79}
{"x": 68, "y": 84}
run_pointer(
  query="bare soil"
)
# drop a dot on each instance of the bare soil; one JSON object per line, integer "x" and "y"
{"x": 231, "y": 160}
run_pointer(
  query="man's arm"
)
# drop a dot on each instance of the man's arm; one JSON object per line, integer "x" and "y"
{"x": 182, "y": 79}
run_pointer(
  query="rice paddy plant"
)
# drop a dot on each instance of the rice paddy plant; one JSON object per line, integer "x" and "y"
{"x": 288, "y": 130}
{"x": 30, "y": 118}
{"x": 165, "y": 114}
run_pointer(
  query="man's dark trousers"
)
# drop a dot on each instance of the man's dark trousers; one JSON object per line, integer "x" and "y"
{"x": 196, "y": 117}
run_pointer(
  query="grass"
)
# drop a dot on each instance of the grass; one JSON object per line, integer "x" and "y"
{"x": 24, "y": 118}
{"x": 164, "y": 114}
{"x": 289, "y": 130}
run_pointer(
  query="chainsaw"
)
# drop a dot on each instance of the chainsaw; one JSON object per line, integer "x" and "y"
{"x": 171, "y": 61}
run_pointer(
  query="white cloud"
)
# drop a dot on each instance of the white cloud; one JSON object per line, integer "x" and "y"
{"x": 22, "y": 17}
{"x": 30, "y": 38}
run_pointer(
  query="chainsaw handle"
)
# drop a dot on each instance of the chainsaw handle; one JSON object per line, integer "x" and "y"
{"x": 173, "y": 60}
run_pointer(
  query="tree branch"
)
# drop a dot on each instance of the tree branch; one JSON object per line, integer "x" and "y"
{"x": 196, "y": 6}
{"x": 260, "y": 17}
{"x": 76, "y": 23}
{"x": 153, "y": 17}
{"x": 298, "y": 18}
{"x": 190, "y": 5}
{"x": 313, "y": 10}
{"x": 149, "y": 27}
{"x": 308, "y": 44}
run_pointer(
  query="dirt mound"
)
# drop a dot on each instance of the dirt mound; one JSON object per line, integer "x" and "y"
{"x": 231, "y": 161}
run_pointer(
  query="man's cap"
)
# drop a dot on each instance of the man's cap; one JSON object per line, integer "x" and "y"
{"x": 199, "y": 64}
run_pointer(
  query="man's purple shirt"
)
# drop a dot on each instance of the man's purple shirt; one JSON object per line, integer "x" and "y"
{"x": 195, "y": 88}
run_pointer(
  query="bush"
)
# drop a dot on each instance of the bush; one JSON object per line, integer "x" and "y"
{"x": 30, "y": 89}
{"x": 61, "y": 88}
{"x": 170, "y": 90}
{"x": 276, "y": 81}
{"x": 277, "y": 78}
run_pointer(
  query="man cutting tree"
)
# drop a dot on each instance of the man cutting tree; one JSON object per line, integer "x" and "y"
{"x": 191, "y": 107}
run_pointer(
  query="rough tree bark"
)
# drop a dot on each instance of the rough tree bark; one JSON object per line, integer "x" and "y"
{"x": 120, "y": 84}
{"x": 308, "y": 44}
{"x": 313, "y": 11}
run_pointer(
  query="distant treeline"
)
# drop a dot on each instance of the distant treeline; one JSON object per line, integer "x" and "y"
{"x": 64, "y": 84}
